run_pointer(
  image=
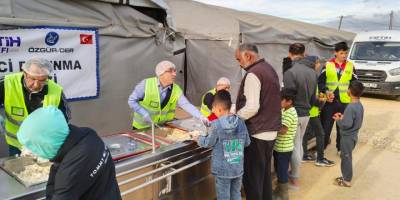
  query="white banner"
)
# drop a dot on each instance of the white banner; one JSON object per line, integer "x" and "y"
{"x": 73, "y": 52}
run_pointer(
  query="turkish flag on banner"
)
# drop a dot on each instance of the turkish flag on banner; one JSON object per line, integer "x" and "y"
{"x": 86, "y": 38}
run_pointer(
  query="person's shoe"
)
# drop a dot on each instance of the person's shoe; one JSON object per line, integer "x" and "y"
{"x": 308, "y": 158}
{"x": 293, "y": 184}
{"x": 285, "y": 191}
{"x": 276, "y": 193}
{"x": 324, "y": 163}
{"x": 293, "y": 187}
{"x": 281, "y": 192}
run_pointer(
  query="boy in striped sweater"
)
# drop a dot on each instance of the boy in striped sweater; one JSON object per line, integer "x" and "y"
{"x": 284, "y": 143}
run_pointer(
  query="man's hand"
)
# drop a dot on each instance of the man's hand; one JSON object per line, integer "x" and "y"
{"x": 322, "y": 97}
{"x": 147, "y": 119}
{"x": 330, "y": 96}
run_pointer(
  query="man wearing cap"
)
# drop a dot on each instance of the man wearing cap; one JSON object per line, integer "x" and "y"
{"x": 207, "y": 99}
{"x": 23, "y": 92}
{"x": 155, "y": 99}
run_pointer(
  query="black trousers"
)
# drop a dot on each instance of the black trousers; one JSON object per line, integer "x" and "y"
{"x": 314, "y": 128}
{"x": 257, "y": 180}
{"x": 327, "y": 121}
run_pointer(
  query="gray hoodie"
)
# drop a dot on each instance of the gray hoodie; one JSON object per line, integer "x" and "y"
{"x": 227, "y": 136}
{"x": 302, "y": 78}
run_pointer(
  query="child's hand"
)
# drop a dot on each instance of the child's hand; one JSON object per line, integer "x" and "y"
{"x": 337, "y": 116}
{"x": 195, "y": 135}
{"x": 283, "y": 130}
{"x": 195, "y": 138}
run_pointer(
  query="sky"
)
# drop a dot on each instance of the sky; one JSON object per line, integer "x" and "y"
{"x": 359, "y": 14}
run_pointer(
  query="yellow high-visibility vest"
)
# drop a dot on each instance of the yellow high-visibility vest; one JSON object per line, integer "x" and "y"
{"x": 204, "y": 108}
{"x": 15, "y": 107}
{"x": 314, "y": 111}
{"x": 333, "y": 83}
{"x": 152, "y": 103}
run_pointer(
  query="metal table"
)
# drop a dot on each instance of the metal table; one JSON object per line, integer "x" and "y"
{"x": 176, "y": 171}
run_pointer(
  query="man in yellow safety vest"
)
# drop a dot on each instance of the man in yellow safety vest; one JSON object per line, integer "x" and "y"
{"x": 155, "y": 99}
{"x": 23, "y": 92}
{"x": 334, "y": 81}
{"x": 207, "y": 99}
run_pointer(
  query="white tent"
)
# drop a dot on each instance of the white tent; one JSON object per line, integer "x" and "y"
{"x": 132, "y": 42}
{"x": 212, "y": 33}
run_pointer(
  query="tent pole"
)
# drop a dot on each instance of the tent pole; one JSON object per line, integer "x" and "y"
{"x": 185, "y": 70}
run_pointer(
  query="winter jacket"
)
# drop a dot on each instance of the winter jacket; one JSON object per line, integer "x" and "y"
{"x": 228, "y": 137}
{"x": 82, "y": 169}
{"x": 302, "y": 78}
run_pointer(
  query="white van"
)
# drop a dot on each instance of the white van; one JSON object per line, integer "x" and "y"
{"x": 376, "y": 57}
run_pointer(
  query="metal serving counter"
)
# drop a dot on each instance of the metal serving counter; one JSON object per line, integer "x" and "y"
{"x": 176, "y": 171}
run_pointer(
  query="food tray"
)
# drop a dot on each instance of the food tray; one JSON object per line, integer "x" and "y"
{"x": 128, "y": 144}
{"x": 190, "y": 124}
{"x": 15, "y": 165}
{"x": 161, "y": 134}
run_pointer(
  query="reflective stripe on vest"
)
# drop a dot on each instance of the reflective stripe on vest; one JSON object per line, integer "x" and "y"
{"x": 15, "y": 107}
{"x": 152, "y": 103}
{"x": 333, "y": 83}
{"x": 204, "y": 108}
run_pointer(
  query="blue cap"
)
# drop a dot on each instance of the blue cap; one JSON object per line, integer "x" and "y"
{"x": 312, "y": 59}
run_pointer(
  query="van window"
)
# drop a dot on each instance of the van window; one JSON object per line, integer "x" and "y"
{"x": 376, "y": 51}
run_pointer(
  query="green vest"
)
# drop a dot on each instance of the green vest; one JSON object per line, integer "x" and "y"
{"x": 152, "y": 103}
{"x": 314, "y": 111}
{"x": 333, "y": 83}
{"x": 15, "y": 107}
{"x": 204, "y": 108}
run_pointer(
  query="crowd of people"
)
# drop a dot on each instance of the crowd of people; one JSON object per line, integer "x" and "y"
{"x": 280, "y": 122}
{"x": 267, "y": 121}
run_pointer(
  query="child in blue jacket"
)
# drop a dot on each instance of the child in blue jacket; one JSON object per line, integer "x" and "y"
{"x": 227, "y": 137}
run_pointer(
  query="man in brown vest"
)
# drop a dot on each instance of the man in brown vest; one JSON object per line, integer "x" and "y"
{"x": 258, "y": 103}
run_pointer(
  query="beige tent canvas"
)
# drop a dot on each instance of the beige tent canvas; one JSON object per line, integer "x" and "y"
{"x": 135, "y": 35}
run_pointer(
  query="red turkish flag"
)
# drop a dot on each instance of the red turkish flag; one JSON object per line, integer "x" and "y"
{"x": 86, "y": 39}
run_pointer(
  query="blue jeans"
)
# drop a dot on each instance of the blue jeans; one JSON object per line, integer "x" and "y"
{"x": 228, "y": 188}
{"x": 281, "y": 164}
{"x": 12, "y": 151}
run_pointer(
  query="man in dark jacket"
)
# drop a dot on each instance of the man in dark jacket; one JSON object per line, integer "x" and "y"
{"x": 336, "y": 91}
{"x": 303, "y": 79}
{"x": 82, "y": 165}
{"x": 258, "y": 103}
{"x": 287, "y": 62}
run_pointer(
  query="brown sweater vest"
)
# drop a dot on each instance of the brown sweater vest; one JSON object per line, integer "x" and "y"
{"x": 268, "y": 117}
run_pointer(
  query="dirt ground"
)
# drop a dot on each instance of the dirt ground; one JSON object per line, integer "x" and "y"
{"x": 376, "y": 160}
